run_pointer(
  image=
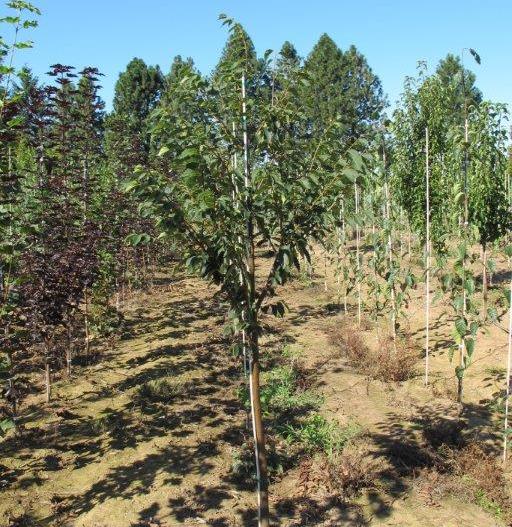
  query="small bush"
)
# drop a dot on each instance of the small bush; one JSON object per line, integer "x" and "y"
{"x": 280, "y": 457}
{"x": 388, "y": 363}
{"x": 485, "y": 475}
{"x": 349, "y": 472}
{"x": 160, "y": 390}
{"x": 339, "y": 477}
{"x": 280, "y": 393}
{"x": 395, "y": 364}
{"x": 316, "y": 433}
{"x": 470, "y": 474}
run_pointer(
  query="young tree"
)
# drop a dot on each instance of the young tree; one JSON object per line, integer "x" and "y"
{"x": 487, "y": 199}
{"x": 283, "y": 188}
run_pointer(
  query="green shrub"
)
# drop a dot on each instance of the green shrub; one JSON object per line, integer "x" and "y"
{"x": 489, "y": 505}
{"x": 279, "y": 394}
{"x": 316, "y": 433}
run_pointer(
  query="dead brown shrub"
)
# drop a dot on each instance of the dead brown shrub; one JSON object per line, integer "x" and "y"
{"x": 389, "y": 362}
{"x": 486, "y": 473}
{"x": 339, "y": 477}
{"x": 349, "y": 472}
{"x": 395, "y": 363}
{"x": 470, "y": 474}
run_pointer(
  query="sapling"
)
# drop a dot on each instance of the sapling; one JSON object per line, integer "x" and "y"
{"x": 288, "y": 186}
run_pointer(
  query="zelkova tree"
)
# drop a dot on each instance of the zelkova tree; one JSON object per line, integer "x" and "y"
{"x": 421, "y": 132}
{"x": 487, "y": 199}
{"x": 283, "y": 185}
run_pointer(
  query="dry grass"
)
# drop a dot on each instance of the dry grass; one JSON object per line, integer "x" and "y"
{"x": 388, "y": 362}
{"x": 470, "y": 474}
{"x": 340, "y": 477}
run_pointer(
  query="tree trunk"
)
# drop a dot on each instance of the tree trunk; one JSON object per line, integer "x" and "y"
{"x": 325, "y": 271}
{"x": 462, "y": 345}
{"x": 252, "y": 337}
{"x": 47, "y": 373}
{"x": 86, "y": 323}
{"x": 258, "y": 431}
{"x": 358, "y": 261}
{"x": 69, "y": 353}
{"x": 390, "y": 257}
{"x": 427, "y": 257}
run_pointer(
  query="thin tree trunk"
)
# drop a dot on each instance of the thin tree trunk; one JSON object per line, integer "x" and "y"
{"x": 507, "y": 380}
{"x": 47, "y": 371}
{"x": 86, "y": 322}
{"x": 462, "y": 345}
{"x": 325, "y": 271}
{"x": 258, "y": 430}
{"x": 343, "y": 246}
{"x": 390, "y": 254}
{"x": 235, "y": 194}
{"x": 69, "y": 353}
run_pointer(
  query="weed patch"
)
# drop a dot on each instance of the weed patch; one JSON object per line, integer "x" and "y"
{"x": 388, "y": 362}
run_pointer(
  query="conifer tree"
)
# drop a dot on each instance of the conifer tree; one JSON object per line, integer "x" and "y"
{"x": 341, "y": 84}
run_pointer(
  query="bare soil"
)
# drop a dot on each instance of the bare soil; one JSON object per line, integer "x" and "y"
{"x": 100, "y": 456}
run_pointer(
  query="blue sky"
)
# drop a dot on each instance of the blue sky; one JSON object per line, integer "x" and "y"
{"x": 393, "y": 35}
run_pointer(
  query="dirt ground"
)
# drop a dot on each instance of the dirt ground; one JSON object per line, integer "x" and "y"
{"x": 97, "y": 456}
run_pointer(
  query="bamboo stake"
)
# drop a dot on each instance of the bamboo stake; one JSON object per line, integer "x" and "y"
{"x": 344, "y": 234}
{"x": 358, "y": 262}
{"x": 235, "y": 194}
{"x": 484, "y": 281}
{"x": 462, "y": 345}
{"x": 427, "y": 257}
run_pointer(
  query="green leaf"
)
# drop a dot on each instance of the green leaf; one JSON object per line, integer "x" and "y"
{"x": 351, "y": 174}
{"x": 470, "y": 346}
{"x": 461, "y": 327}
{"x": 6, "y": 425}
{"x": 129, "y": 185}
{"x": 163, "y": 150}
{"x": 469, "y": 285}
{"x": 492, "y": 313}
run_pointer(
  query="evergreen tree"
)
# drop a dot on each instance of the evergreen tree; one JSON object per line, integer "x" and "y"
{"x": 287, "y": 64}
{"x": 460, "y": 87}
{"x": 364, "y": 96}
{"x": 137, "y": 93}
{"x": 341, "y": 85}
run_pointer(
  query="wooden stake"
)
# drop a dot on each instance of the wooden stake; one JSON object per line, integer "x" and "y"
{"x": 427, "y": 257}
{"x": 358, "y": 262}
